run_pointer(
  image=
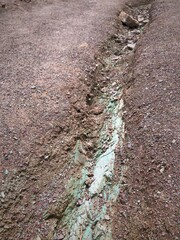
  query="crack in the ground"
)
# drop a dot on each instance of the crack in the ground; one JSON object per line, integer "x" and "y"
{"x": 88, "y": 212}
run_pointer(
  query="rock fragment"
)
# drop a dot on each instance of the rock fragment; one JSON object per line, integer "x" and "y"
{"x": 131, "y": 46}
{"x": 107, "y": 218}
{"x": 2, "y": 194}
{"x": 98, "y": 110}
{"x": 90, "y": 174}
{"x": 128, "y": 20}
{"x": 33, "y": 87}
{"x": 162, "y": 169}
{"x": 79, "y": 203}
{"x": 88, "y": 182}
{"x": 61, "y": 236}
{"x": 136, "y": 31}
{"x": 140, "y": 18}
{"x": 146, "y": 21}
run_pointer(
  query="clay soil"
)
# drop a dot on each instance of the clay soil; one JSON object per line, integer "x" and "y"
{"x": 148, "y": 205}
{"x": 47, "y": 87}
{"x": 46, "y": 66}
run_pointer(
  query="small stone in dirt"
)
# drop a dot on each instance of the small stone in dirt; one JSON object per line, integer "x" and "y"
{"x": 46, "y": 157}
{"x": 140, "y": 18}
{"x": 61, "y": 236}
{"x": 98, "y": 110}
{"x": 131, "y": 46}
{"x": 2, "y": 195}
{"x": 162, "y": 169}
{"x": 33, "y": 87}
{"x": 6, "y": 172}
{"x": 128, "y": 20}
{"x": 136, "y": 31}
{"x": 88, "y": 182}
{"x": 3, "y": 5}
{"x": 79, "y": 203}
{"x": 90, "y": 174}
{"x": 90, "y": 145}
{"x": 107, "y": 218}
{"x": 146, "y": 21}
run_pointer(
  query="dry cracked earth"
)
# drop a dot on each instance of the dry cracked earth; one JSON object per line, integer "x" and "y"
{"x": 57, "y": 59}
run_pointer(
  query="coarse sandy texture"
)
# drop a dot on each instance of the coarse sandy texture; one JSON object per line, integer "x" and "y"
{"x": 148, "y": 205}
{"x": 46, "y": 48}
{"x": 46, "y": 75}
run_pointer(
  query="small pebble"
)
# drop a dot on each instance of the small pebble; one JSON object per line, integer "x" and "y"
{"x": 61, "y": 236}
{"x": 46, "y": 157}
{"x": 162, "y": 170}
{"x": 2, "y": 195}
{"x": 79, "y": 202}
{"x": 107, "y": 218}
{"x": 131, "y": 46}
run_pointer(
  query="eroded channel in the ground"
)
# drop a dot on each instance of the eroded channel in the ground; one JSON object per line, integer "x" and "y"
{"x": 90, "y": 216}
{"x": 88, "y": 211}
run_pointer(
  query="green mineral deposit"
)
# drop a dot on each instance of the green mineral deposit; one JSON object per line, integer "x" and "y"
{"x": 86, "y": 221}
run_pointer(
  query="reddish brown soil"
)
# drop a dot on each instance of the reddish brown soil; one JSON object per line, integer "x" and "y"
{"x": 46, "y": 61}
{"x": 148, "y": 205}
{"x": 46, "y": 53}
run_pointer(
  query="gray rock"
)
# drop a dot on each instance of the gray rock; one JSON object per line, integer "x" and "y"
{"x": 33, "y": 87}
{"x": 6, "y": 172}
{"x": 136, "y": 31}
{"x": 131, "y": 46}
{"x": 140, "y": 18}
{"x": 146, "y": 21}
{"x": 2, "y": 195}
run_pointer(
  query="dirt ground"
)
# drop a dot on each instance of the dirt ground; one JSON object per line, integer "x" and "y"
{"x": 48, "y": 68}
{"x": 47, "y": 56}
{"x": 148, "y": 205}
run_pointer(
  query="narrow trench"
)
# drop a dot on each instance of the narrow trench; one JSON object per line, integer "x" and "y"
{"x": 88, "y": 210}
